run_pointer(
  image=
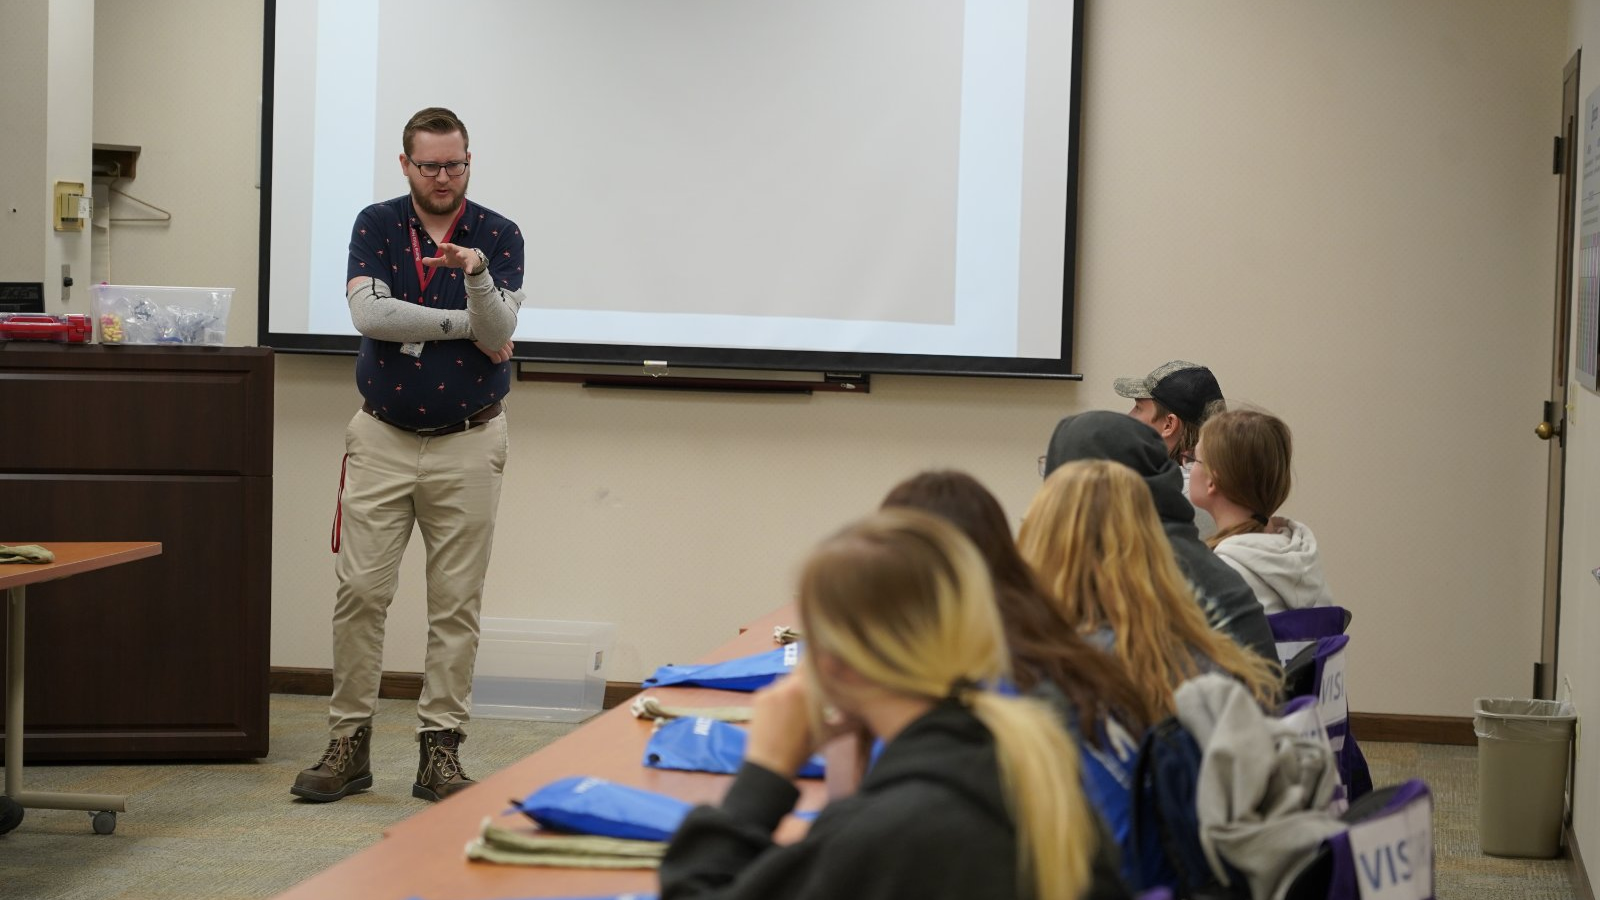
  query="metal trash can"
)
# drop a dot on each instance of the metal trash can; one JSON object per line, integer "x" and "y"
{"x": 1523, "y": 750}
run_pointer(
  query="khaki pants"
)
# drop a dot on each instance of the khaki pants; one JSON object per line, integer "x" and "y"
{"x": 450, "y": 487}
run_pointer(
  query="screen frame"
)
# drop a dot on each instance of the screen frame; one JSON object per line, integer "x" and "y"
{"x": 635, "y": 355}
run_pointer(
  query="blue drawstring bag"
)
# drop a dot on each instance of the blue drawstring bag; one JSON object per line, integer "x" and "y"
{"x": 747, "y": 673}
{"x": 706, "y": 745}
{"x": 596, "y": 806}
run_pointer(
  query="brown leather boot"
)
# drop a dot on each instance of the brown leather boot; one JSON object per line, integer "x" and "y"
{"x": 439, "y": 773}
{"x": 344, "y": 768}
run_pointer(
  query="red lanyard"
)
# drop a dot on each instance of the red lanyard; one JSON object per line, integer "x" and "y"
{"x": 425, "y": 273}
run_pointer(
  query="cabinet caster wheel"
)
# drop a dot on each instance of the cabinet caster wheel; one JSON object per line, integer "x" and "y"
{"x": 10, "y": 814}
{"x": 105, "y": 822}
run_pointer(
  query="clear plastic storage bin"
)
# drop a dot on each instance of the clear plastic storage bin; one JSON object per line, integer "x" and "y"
{"x": 541, "y": 669}
{"x": 150, "y": 314}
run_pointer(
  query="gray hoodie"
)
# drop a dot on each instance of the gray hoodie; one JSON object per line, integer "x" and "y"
{"x": 1280, "y": 564}
{"x": 1230, "y": 606}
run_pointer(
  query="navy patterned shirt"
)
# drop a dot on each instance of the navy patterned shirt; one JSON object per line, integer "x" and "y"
{"x": 451, "y": 379}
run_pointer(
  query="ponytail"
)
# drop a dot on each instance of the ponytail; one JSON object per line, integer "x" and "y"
{"x": 1248, "y": 459}
{"x": 1248, "y": 526}
{"x": 1057, "y": 835}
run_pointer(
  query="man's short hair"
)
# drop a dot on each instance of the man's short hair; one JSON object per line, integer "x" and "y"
{"x": 1188, "y": 435}
{"x": 434, "y": 120}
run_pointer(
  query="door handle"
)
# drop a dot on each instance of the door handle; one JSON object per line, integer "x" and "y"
{"x": 1546, "y": 430}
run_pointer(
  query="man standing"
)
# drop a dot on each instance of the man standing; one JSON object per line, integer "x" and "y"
{"x": 1176, "y": 400}
{"x": 434, "y": 287}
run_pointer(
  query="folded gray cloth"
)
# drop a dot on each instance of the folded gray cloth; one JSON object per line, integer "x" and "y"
{"x": 25, "y": 553}
{"x": 646, "y": 706}
{"x": 566, "y": 851}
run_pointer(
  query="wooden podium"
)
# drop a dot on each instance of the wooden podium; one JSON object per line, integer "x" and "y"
{"x": 167, "y": 660}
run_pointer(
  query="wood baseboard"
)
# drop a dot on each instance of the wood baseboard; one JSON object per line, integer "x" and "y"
{"x": 319, "y": 682}
{"x": 397, "y": 685}
{"x": 1392, "y": 727}
{"x": 1581, "y": 888}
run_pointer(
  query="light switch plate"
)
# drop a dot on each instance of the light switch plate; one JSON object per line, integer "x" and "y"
{"x": 68, "y": 197}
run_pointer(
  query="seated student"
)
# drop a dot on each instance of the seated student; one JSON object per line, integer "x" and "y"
{"x": 1229, "y": 604}
{"x": 1104, "y": 710}
{"x": 1093, "y": 537}
{"x": 974, "y": 794}
{"x": 1176, "y": 400}
{"x": 1241, "y": 475}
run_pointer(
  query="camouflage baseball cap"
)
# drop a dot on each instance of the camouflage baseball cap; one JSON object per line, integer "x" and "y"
{"x": 1186, "y": 388}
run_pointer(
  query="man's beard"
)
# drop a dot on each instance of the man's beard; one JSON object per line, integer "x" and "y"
{"x": 435, "y": 207}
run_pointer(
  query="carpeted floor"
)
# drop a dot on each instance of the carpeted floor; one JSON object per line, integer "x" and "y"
{"x": 232, "y": 830}
{"x": 1462, "y": 872}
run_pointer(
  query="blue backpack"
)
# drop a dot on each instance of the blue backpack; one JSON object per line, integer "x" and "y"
{"x": 1166, "y": 826}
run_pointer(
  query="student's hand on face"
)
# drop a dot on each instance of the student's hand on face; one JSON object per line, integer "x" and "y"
{"x": 780, "y": 728}
{"x": 496, "y": 355}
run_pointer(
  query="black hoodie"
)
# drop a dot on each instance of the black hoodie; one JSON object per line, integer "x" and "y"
{"x": 1230, "y": 606}
{"x": 929, "y": 822}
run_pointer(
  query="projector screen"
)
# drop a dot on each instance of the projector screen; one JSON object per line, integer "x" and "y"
{"x": 826, "y": 185}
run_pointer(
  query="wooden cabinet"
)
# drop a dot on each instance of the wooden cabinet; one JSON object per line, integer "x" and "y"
{"x": 165, "y": 658}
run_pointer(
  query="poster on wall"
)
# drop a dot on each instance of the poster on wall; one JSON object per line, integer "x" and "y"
{"x": 1588, "y": 351}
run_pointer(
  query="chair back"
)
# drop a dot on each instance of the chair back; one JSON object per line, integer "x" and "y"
{"x": 1388, "y": 852}
{"x": 1294, "y": 629}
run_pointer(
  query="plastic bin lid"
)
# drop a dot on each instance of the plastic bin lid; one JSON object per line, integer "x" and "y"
{"x": 1508, "y": 708}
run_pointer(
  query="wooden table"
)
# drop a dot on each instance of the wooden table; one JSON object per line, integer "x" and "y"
{"x": 423, "y": 856}
{"x": 71, "y": 559}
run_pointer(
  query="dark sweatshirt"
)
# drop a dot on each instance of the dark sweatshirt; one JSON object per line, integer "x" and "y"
{"x": 1230, "y": 606}
{"x": 928, "y": 822}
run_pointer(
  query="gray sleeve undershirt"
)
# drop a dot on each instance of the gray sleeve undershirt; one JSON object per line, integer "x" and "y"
{"x": 490, "y": 316}
{"x": 377, "y": 314}
{"x": 491, "y": 310}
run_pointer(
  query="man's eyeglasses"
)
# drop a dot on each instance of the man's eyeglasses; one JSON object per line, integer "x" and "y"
{"x": 432, "y": 169}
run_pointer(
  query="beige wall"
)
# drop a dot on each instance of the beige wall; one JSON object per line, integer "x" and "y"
{"x": 24, "y": 57}
{"x": 47, "y": 45}
{"x": 1344, "y": 208}
{"x": 181, "y": 79}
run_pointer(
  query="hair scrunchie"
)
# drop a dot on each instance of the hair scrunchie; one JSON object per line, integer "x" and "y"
{"x": 960, "y": 688}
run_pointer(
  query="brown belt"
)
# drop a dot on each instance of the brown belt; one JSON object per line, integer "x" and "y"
{"x": 481, "y": 417}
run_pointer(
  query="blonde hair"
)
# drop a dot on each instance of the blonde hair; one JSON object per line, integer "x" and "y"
{"x": 1248, "y": 453}
{"x": 1093, "y": 536}
{"x": 905, "y": 600}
